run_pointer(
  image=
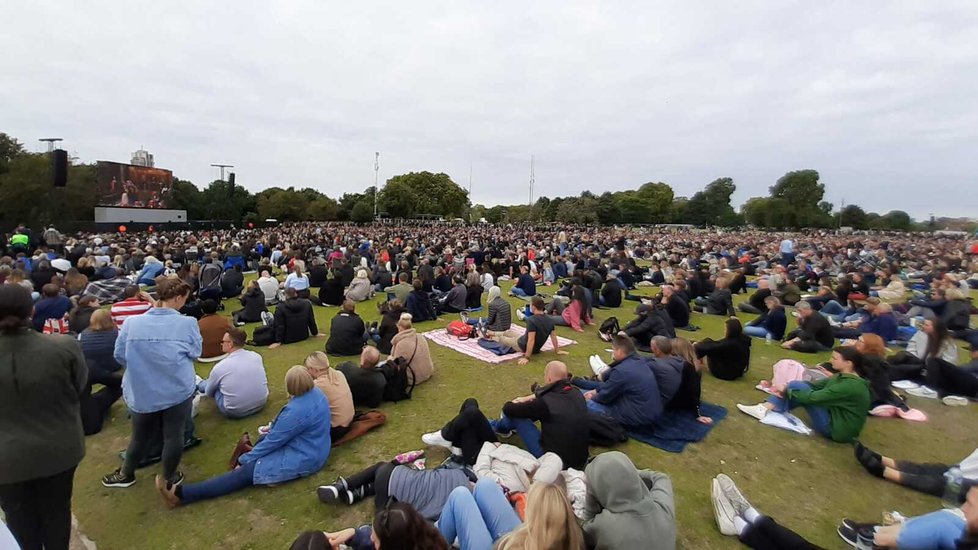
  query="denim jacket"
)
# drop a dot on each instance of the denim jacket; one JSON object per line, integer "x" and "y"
{"x": 158, "y": 349}
{"x": 298, "y": 443}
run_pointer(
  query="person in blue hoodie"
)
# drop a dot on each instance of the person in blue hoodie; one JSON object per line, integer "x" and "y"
{"x": 771, "y": 324}
{"x": 629, "y": 392}
{"x": 525, "y": 287}
{"x": 881, "y": 322}
{"x": 297, "y": 445}
{"x": 158, "y": 349}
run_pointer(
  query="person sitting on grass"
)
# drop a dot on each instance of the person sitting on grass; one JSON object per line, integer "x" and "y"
{"x": 297, "y": 445}
{"x": 538, "y": 329}
{"x": 814, "y": 333}
{"x": 525, "y": 286}
{"x": 771, "y": 324}
{"x": 675, "y": 306}
{"x": 880, "y": 321}
{"x": 413, "y": 347}
{"x": 756, "y": 303}
{"x": 926, "y": 478}
{"x": 347, "y": 332}
{"x": 558, "y": 406}
{"x": 950, "y": 529}
{"x": 932, "y": 340}
{"x": 719, "y": 302}
{"x": 573, "y": 314}
{"x": 627, "y": 507}
{"x": 418, "y": 303}
{"x": 667, "y": 368}
{"x": 729, "y": 358}
{"x": 401, "y": 289}
{"x": 397, "y": 525}
{"x": 688, "y": 396}
{"x": 366, "y": 382}
{"x": 837, "y": 405}
{"x": 953, "y": 383}
{"x": 333, "y": 384}
{"x": 629, "y": 392}
{"x": 294, "y": 320}
{"x": 212, "y": 328}
{"x": 648, "y": 324}
{"x": 238, "y": 383}
{"x": 499, "y": 317}
{"x": 252, "y": 305}
{"x": 454, "y": 300}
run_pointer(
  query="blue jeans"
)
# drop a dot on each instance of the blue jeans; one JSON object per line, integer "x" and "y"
{"x": 940, "y": 529}
{"x": 758, "y": 332}
{"x": 224, "y": 484}
{"x": 821, "y": 421}
{"x": 475, "y": 321}
{"x": 478, "y": 518}
{"x": 832, "y": 308}
{"x": 527, "y": 429}
{"x": 517, "y": 291}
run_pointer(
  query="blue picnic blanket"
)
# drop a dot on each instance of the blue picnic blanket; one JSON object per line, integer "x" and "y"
{"x": 496, "y": 347}
{"x": 675, "y": 429}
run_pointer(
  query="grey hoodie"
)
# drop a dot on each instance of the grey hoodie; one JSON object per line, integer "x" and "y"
{"x": 628, "y": 508}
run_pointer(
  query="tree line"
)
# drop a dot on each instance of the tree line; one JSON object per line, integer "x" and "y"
{"x": 794, "y": 201}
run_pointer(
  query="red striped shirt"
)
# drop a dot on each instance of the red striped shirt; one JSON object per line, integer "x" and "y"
{"x": 128, "y": 308}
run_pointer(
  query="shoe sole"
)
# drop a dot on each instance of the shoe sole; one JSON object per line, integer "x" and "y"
{"x": 847, "y": 541}
{"x": 716, "y": 495}
{"x": 122, "y": 485}
{"x": 955, "y": 401}
{"x": 749, "y": 413}
{"x": 326, "y": 496}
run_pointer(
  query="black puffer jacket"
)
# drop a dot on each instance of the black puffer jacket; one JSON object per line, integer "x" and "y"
{"x": 562, "y": 413}
{"x": 345, "y": 334}
{"x": 294, "y": 321}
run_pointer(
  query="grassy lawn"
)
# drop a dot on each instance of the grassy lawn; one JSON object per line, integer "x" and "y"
{"x": 806, "y": 483}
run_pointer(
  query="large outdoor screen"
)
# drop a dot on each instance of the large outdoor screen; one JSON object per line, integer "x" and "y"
{"x": 129, "y": 186}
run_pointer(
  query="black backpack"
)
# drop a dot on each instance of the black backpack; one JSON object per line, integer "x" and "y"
{"x": 400, "y": 379}
{"x": 609, "y": 326}
{"x": 263, "y": 336}
{"x": 605, "y": 431}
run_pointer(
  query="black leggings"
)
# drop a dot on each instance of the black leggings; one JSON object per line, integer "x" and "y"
{"x": 39, "y": 511}
{"x": 144, "y": 426}
{"x": 375, "y": 481}
{"x": 469, "y": 430}
{"x": 926, "y": 478}
{"x": 766, "y": 534}
{"x": 906, "y": 366}
{"x": 948, "y": 379}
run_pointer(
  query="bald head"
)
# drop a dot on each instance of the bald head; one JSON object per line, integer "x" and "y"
{"x": 555, "y": 371}
{"x": 369, "y": 357}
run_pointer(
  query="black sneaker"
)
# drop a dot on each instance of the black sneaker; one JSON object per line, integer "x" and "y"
{"x": 329, "y": 494}
{"x": 857, "y": 535}
{"x": 118, "y": 479}
{"x": 177, "y": 479}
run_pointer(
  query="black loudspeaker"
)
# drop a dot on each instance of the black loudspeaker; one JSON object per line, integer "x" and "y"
{"x": 231, "y": 184}
{"x": 59, "y": 167}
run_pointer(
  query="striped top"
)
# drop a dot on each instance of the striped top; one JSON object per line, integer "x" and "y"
{"x": 128, "y": 308}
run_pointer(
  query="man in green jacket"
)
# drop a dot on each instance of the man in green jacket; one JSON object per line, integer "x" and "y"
{"x": 838, "y": 405}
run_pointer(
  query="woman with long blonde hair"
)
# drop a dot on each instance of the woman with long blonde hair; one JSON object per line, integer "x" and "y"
{"x": 550, "y": 522}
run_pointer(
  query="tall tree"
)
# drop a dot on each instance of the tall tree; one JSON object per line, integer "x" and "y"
{"x": 9, "y": 148}
{"x": 711, "y": 206}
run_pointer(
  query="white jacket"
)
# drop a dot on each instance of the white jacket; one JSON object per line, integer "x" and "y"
{"x": 513, "y": 467}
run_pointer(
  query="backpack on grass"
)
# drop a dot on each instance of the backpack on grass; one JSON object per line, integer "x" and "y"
{"x": 400, "y": 379}
{"x": 609, "y": 327}
{"x": 461, "y": 329}
{"x": 263, "y": 336}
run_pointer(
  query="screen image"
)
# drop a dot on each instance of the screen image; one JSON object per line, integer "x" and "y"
{"x": 128, "y": 186}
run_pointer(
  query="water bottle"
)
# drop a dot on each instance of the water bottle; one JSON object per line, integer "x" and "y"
{"x": 952, "y": 488}
{"x": 767, "y": 339}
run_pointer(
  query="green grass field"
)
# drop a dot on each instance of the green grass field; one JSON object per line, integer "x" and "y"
{"x": 806, "y": 483}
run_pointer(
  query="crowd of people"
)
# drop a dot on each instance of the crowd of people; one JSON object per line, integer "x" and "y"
{"x": 131, "y": 313}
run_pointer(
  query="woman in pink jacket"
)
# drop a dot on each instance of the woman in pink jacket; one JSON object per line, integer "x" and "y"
{"x": 573, "y": 313}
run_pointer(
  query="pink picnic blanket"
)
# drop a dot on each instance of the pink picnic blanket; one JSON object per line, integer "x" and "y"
{"x": 472, "y": 348}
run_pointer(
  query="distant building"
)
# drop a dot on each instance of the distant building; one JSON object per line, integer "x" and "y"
{"x": 142, "y": 158}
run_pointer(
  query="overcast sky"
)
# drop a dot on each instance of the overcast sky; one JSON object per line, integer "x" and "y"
{"x": 880, "y": 97}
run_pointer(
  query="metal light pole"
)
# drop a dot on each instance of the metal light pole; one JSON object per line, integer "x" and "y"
{"x": 376, "y": 175}
{"x": 51, "y": 142}
{"x": 222, "y": 167}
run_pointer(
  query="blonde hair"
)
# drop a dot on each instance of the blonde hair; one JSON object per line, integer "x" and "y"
{"x": 404, "y": 322}
{"x": 550, "y": 522}
{"x": 684, "y": 349}
{"x": 298, "y": 381}
{"x": 318, "y": 362}
{"x": 101, "y": 320}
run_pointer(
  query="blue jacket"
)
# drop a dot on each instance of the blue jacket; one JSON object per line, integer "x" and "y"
{"x": 774, "y": 321}
{"x": 631, "y": 393}
{"x": 884, "y": 325}
{"x": 149, "y": 274}
{"x": 298, "y": 443}
{"x": 158, "y": 349}
{"x": 526, "y": 284}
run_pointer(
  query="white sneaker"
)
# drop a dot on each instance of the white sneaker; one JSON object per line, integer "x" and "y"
{"x": 435, "y": 439}
{"x": 905, "y": 385}
{"x": 955, "y": 401}
{"x": 923, "y": 391}
{"x": 733, "y": 494}
{"x": 520, "y": 314}
{"x": 758, "y": 411}
{"x": 723, "y": 510}
{"x": 597, "y": 365}
{"x": 833, "y": 322}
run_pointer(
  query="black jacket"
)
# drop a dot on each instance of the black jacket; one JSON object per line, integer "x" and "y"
{"x": 611, "y": 292}
{"x": 563, "y": 415}
{"x": 419, "y": 306}
{"x": 728, "y": 359}
{"x": 232, "y": 281}
{"x": 687, "y": 397}
{"x": 678, "y": 310}
{"x": 816, "y": 327}
{"x": 294, "y": 321}
{"x": 331, "y": 292}
{"x": 345, "y": 334}
{"x": 317, "y": 275}
{"x": 644, "y": 327}
{"x": 387, "y": 329}
{"x": 720, "y": 302}
{"x": 253, "y": 303}
{"x": 957, "y": 314}
{"x": 757, "y": 298}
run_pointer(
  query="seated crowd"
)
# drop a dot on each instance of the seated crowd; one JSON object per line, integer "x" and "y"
{"x": 110, "y": 317}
